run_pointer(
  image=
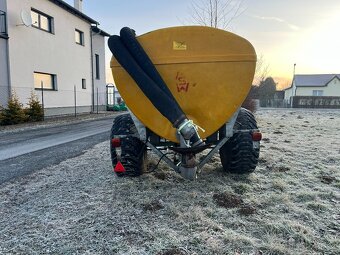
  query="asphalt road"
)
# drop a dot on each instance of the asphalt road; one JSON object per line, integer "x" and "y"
{"x": 26, "y": 151}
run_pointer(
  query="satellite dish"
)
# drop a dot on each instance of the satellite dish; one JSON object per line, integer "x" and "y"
{"x": 26, "y": 18}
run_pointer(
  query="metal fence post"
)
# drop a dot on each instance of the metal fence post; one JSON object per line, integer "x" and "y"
{"x": 97, "y": 100}
{"x": 107, "y": 97}
{"x": 114, "y": 95}
{"x": 42, "y": 99}
{"x": 75, "y": 102}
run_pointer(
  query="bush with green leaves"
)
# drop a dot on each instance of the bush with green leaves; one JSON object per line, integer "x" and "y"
{"x": 14, "y": 113}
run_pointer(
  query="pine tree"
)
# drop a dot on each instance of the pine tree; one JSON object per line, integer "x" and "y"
{"x": 13, "y": 113}
{"x": 34, "y": 111}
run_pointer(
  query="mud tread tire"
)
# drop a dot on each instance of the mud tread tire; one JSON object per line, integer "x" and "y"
{"x": 133, "y": 150}
{"x": 237, "y": 154}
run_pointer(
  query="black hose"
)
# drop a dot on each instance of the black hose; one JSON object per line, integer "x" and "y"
{"x": 166, "y": 105}
{"x": 127, "y": 36}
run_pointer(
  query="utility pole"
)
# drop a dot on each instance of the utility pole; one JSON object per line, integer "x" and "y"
{"x": 293, "y": 79}
{"x": 293, "y": 88}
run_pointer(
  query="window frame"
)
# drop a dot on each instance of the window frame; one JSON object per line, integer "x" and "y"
{"x": 83, "y": 83}
{"x": 317, "y": 93}
{"x": 81, "y": 36}
{"x": 97, "y": 65}
{"x": 53, "y": 79}
{"x": 49, "y": 18}
{"x": 3, "y": 24}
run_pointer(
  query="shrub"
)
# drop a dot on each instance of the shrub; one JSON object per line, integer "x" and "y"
{"x": 13, "y": 113}
{"x": 249, "y": 103}
{"x": 34, "y": 111}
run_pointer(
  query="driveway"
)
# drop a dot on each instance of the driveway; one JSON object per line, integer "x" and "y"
{"x": 29, "y": 150}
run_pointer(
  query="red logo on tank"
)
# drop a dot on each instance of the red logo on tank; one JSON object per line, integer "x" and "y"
{"x": 182, "y": 83}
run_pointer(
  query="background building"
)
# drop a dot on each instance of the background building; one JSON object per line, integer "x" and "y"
{"x": 314, "y": 91}
{"x": 51, "y": 45}
{"x": 314, "y": 85}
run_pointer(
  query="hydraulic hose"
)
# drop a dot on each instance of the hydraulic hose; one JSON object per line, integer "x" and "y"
{"x": 132, "y": 57}
{"x": 167, "y": 106}
{"x": 128, "y": 37}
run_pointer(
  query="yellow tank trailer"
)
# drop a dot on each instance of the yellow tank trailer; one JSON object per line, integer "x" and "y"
{"x": 184, "y": 87}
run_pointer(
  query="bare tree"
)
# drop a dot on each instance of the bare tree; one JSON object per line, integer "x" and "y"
{"x": 215, "y": 13}
{"x": 219, "y": 14}
{"x": 262, "y": 70}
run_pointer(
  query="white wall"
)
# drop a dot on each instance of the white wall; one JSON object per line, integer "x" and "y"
{"x": 33, "y": 50}
{"x": 288, "y": 93}
{"x": 99, "y": 48}
{"x": 3, "y": 5}
{"x": 4, "y": 79}
{"x": 332, "y": 89}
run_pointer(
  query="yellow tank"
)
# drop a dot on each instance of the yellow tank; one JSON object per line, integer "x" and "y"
{"x": 209, "y": 72}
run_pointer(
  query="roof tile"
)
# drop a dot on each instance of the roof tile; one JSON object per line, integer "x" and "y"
{"x": 313, "y": 80}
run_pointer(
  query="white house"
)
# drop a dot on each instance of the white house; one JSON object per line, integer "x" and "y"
{"x": 327, "y": 85}
{"x": 51, "y": 44}
{"x": 113, "y": 94}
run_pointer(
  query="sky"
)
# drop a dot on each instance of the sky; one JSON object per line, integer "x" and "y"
{"x": 283, "y": 32}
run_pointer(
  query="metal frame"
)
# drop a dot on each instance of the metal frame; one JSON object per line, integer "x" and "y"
{"x": 188, "y": 172}
{"x": 163, "y": 157}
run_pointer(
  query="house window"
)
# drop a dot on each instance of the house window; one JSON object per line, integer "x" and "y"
{"x": 97, "y": 67}
{"x": 42, "y": 21}
{"x": 317, "y": 93}
{"x": 83, "y": 83}
{"x": 3, "y": 26}
{"x": 79, "y": 37}
{"x": 45, "y": 80}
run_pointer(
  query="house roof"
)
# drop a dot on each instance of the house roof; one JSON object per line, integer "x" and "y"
{"x": 81, "y": 15}
{"x": 74, "y": 11}
{"x": 314, "y": 80}
{"x": 97, "y": 30}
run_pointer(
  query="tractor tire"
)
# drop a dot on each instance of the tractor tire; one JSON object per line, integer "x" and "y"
{"x": 238, "y": 154}
{"x": 133, "y": 150}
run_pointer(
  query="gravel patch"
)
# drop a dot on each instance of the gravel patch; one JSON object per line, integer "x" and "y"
{"x": 289, "y": 205}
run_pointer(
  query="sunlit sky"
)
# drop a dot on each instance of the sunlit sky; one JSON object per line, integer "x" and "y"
{"x": 305, "y": 32}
